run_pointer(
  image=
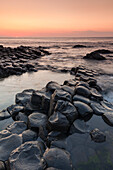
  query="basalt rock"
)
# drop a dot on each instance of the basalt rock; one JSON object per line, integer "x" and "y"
{"x": 94, "y": 56}
{"x": 97, "y": 136}
{"x": 8, "y": 144}
{"x": 19, "y": 160}
{"x": 58, "y": 158}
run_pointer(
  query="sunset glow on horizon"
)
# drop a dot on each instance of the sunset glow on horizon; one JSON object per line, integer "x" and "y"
{"x": 47, "y": 18}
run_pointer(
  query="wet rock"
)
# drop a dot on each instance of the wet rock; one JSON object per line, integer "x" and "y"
{"x": 84, "y": 84}
{"x": 21, "y": 117}
{"x": 24, "y": 97}
{"x": 83, "y": 91}
{"x": 82, "y": 99}
{"x": 17, "y": 127}
{"x": 98, "y": 108}
{"x": 97, "y": 136}
{"x": 14, "y": 110}
{"x": 27, "y": 156}
{"x": 68, "y": 89}
{"x": 51, "y": 168}
{"x": 36, "y": 119}
{"x": 8, "y": 144}
{"x": 67, "y": 109}
{"x": 79, "y": 46}
{"x": 83, "y": 109}
{"x": 95, "y": 94}
{"x": 108, "y": 118}
{"x": 4, "y": 123}
{"x": 41, "y": 101}
{"x": 29, "y": 135}
{"x": 4, "y": 115}
{"x": 79, "y": 126}
{"x": 52, "y": 86}
{"x": 59, "y": 122}
{"x": 58, "y": 95}
{"x": 71, "y": 83}
{"x": 2, "y": 166}
{"x": 4, "y": 133}
{"x": 57, "y": 158}
{"x": 95, "y": 56}
{"x": 103, "y": 51}
{"x": 55, "y": 135}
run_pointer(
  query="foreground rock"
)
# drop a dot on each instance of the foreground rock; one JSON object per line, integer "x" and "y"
{"x": 58, "y": 118}
{"x": 27, "y": 157}
{"x": 58, "y": 159}
{"x": 79, "y": 46}
{"x": 8, "y": 144}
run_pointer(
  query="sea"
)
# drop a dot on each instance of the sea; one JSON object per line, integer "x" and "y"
{"x": 86, "y": 154}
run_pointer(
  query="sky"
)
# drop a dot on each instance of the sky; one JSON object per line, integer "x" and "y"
{"x": 56, "y": 18}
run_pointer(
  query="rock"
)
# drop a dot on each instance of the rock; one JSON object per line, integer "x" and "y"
{"x": 55, "y": 135}
{"x": 82, "y": 99}
{"x": 36, "y": 119}
{"x": 59, "y": 122}
{"x": 51, "y": 168}
{"x": 29, "y": 135}
{"x": 41, "y": 101}
{"x": 68, "y": 89}
{"x": 27, "y": 157}
{"x": 21, "y": 117}
{"x": 83, "y": 91}
{"x": 103, "y": 51}
{"x": 24, "y": 97}
{"x": 71, "y": 83}
{"x": 2, "y": 166}
{"x": 83, "y": 109}
{"x": 52, "y": 86}
{"x": 79, "y": 46}
{"x": 8, "y": 144}
{"x": 95, "y": 94}
{"x": 4, "y": 115}
{"x": 17, "y": 127}
{"x": 97, "y": 136}
{"x": 4, "y": 133}
{"x": 84, "y": 84}
{"x": 108, "y": 118}
{"x": 58, "y": 95}
{"x": 79, "y": 126}
{"x": 4, "y": 123}
{"x": 98, "y": 108}
{"x": 67, "y": 109}
{"x": 95, "y": 56}
{"x": 58, "y": 158}
{"x": 14, "y": 110}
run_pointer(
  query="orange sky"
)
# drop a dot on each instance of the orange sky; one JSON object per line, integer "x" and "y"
{"x": 56, "y": 18}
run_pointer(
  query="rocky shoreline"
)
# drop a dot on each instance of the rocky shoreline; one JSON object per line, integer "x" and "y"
{"x": 44, "y": 122}
{"x": 16, "y": 61}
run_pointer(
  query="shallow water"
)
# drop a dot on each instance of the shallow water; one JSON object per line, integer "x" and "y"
{"x": 12, "y": 85}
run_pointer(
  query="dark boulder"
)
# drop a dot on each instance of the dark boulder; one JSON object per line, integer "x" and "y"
{"x": 94, "y": 56}
{"x": 79, "y": 46}
{"x": 29, "y": 135}
{"x": 103, "y": 51}
{"x": 67, "y": 109}
{"x": 81, "y": 98}
{"x": 108, "y": 118}
{"x": 4, "y": 115}
{"x": 4, "y": 133}
{"x": 57, "y": 158}
{"x": 21, "y": 117}
{"x": 83, "y": 109}
{"x": 59, "y": 122}
{"x": 14, "y": 110}
{"x": 97, "y": 136}
{"x": 27, "y": 157}
{"x": 83, "y": 91}
{"x": 8, "y": 144}
{"x": 17, "y": 127}
{"x": 52, "y": 86}
{"x": 36, "y": 119}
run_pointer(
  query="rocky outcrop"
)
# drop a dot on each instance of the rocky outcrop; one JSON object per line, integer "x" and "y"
{"x": 94, "y": 56}
{"x": 16, "y": 61}
{"x": 50, "y": 126}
